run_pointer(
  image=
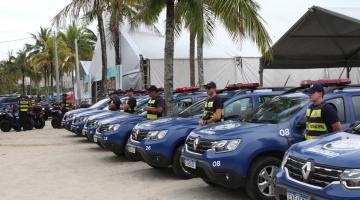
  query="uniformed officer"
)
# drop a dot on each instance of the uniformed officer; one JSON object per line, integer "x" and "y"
{"x": 321, "y": 117}
{"x": 65, "y": 104}
{"x": 130, "y": 105}
{"x": 155, "y": 107}
{"x": 33, "y": 103}
{"x": 115, "y": 102}
{"x": 24, "y": 106}
{"x": 213, "y": 110}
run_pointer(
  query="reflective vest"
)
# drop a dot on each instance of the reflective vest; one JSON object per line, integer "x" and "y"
{"x": 68, "y": 105}
{"x": 33, "y": 103}
{"x": 210, "y": 110}
{"x": 315, "y": 125}
{"x": 24, "y": 106}
{"x": 151, "y": 104}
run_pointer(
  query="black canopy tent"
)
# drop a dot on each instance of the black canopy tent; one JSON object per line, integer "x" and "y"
{"x": 319, "y": 39}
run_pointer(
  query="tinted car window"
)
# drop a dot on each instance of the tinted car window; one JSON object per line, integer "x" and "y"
{"x": 181, "y": 105}
{"x": 264, "y": 99}
{"x": 239, "y": 107}
{"x": 339, "y": 104}
{"x": 356, "y": 104}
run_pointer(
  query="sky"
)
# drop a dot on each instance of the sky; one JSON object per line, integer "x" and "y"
{"x": 18, "y": 18}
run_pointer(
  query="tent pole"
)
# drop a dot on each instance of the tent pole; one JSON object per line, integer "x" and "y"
{"x": 348, "y": 69}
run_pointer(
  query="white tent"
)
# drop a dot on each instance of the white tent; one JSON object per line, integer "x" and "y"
{"x": 225, "y": 61}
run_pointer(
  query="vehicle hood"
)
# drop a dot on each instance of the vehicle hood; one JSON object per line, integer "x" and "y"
{"x": 125, "y": 119}
{"x": 91, "y": 112}
{"x": 113, "y": 120}
{"x": 233, "y": 130}
{"x": 104, "y": 114}
{"x": 72, "y": 112}
{"x": 340, "y": 149}
{"x": 168, "y": 123}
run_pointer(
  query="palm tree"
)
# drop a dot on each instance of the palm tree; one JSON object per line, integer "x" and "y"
{"x": 93, "y": 9}
{"x": 21, "y": 61}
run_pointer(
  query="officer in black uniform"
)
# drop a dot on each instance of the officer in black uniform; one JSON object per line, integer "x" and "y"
{"x": 24, "y": 106}
{"x": 130, "y": 105}
{"x": 115, "y": 102}
{"x": 321, "y": 117}
{"x": 65, "y": 105}
{"x": 214, "y": 106}
{"x": 155, "y": 107}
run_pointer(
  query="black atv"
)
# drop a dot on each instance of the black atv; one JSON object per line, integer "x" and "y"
{"x": 10, "y": 120}
{"x": 37, "y": 117}
{"x": 56, "y": 116}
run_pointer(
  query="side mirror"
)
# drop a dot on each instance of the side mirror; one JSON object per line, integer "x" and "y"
{"x": 301, "y": 124}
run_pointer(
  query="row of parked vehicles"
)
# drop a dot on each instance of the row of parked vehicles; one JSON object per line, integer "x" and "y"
{"x": 260, "y": 146}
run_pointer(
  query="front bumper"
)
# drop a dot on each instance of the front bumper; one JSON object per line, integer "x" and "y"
{"x": 77, "y": 129}
{"x": 209, "y": 170}
{"x": 66, "y": 124}
{"x": 105, "y": 141}
{"x": 333, "y": 191}
{"x": 89, "y": 133}
{"x": 148, "y": 155}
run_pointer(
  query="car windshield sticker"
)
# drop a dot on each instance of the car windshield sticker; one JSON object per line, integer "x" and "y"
{"x": 324, "y": 152}
{"x": 221, "y": 127}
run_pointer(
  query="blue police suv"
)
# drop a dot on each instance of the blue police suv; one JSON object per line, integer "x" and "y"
{"x": 248, "y": 153}
{"x": 114, "y": 135}
{"x": 325, "y": 168}
{"x": 160, "y": 142}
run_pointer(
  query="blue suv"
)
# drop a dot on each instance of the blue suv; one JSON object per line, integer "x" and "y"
{"x": 248, "y": 153}
{"x": 160, "y": 142}
{"x": 325, "y": 168}
{"x": 114, "y": 134}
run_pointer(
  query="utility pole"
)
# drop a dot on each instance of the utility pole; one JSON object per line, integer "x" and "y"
{"x": 56, "y": 67}
{"x": 78, "y": 92}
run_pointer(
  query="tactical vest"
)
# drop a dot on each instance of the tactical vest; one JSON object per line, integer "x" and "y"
{"x": 24, "y": 106}
{"x": 33, "y": 103}
{"x": 315, "y": 125}
{"x": 68, "y": 105}
{"x": 210, "y": 110}
{"x": 150, "y": 115}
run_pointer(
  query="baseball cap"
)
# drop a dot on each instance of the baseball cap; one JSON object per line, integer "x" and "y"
{"x": 152, "y": 88}
{"x": 130, "y": 90}
{"x": 316, "y": 88}
{"x": 210, "y": 85}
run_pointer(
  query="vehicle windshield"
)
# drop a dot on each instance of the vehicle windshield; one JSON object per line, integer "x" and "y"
{"x": 100, "y": 103}
{"x": 279, "y": 109}
{"x": 195, "y": 109}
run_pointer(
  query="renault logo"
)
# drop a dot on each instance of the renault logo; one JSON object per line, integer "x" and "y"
{"x": 306, "y": 169}
{"x": 196, "y": 143}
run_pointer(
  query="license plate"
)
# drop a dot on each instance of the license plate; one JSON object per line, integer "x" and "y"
{"x": 95, "y": 139}
{"x": 291, "y": 195}
{"x": 190, "y": 163}
{"x": 131, "y": 149}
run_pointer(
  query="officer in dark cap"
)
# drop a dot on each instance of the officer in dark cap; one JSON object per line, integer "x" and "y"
{"x": 24, "y": 107}
{"x": 130, "y": 105}
{"x": 115, "y": 102}
{"x": 321, "y": 117}
{"x": 155, "y": 107}
{"x": 214, "y": 106}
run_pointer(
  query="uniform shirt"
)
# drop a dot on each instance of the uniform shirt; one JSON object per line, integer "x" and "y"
{"x": 116, "y": 102}
{"x": 209, "y": 111}
{"x": 132, "y": 104}
{"x": 159, "y": 103}
{"x": 328, "y": 114}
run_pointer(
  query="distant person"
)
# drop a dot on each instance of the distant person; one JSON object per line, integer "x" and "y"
{"x": 321, "y": 117}
{"x": 115, "y": 102}
{"x": 24, "y": 107}
{"x": 65, "y": 105}
{"x": 130, "y": 105}
{"x": 155, "y": 106}
{"x": 213, "y": 110}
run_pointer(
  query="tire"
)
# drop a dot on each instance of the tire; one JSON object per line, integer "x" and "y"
{"x": 55, "y": 122}
{"x": 262, "y": 172}
{"x": 100, "y": 145}
{"x": 177, "y": 167}
{"x": 5, "y": 125}
{"x": 40, "y": 124}
{"x": 29, "y": 125}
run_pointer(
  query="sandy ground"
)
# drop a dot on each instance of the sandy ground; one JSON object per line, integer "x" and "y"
{"x": 54, "y": 164}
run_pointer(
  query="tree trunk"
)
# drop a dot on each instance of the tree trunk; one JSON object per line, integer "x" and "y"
{"x": 51, "y": 79}
{"x": 23, "y": 81}
{"x": 103, "y": 50}
{"x": 192, "y": 58}
{"x": 200, "y": 44}
{"x": 169, "y": 56}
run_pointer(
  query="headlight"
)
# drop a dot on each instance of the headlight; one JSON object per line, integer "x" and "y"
{"x": 350, "y": 178}
{"x": 286, "y": 157}
{"x": 156, "y": 135}
{"x": 225, "y": 145}
{"x": 114, "y": 127}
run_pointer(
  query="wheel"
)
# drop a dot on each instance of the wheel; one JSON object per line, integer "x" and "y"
{"x": 261, "y": 178}
{"x": 100, "y": 145}
{"x": 29, "y": 125}
{"x": 177, "y": 166}
{"x": 5, "y": 125}
{"x": 40, "y": 124}
{"x": 55, "y": 122}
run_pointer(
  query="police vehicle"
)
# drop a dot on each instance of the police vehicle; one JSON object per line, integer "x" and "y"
{"x": 248, "y": 153}
{"x": 325, "y": 168}
{"x": 114, "y": 134}
{"x": 160, "y": 142}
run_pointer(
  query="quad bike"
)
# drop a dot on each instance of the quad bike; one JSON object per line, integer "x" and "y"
{"x": 37, "y": 117}
{"x": 9, "y": 119}
{"x": 56, "y": 115}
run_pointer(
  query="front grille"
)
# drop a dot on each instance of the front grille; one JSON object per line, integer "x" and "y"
{"x": 90, "y": 123}
{"x": 322, "y": 175}
{"x": 76, "y": 120}
{"x": 202, "y": 144}
{"x": 139, "y": 135}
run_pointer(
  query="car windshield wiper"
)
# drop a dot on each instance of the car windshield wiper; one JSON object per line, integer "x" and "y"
{"x": 262, "y": 121}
